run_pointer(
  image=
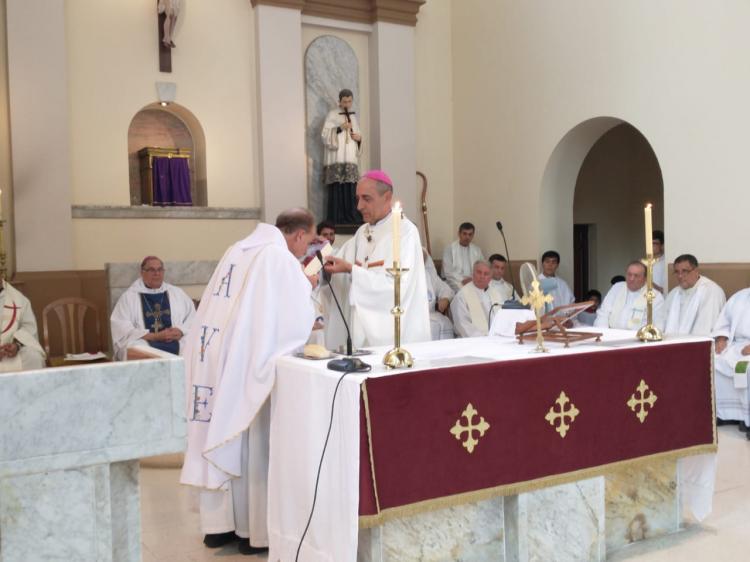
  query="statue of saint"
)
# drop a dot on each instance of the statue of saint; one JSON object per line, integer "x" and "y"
{"x": 342, "y": 141}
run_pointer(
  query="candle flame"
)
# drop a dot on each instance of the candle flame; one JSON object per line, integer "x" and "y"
{"x": 397, "y": 206}
{"x": 648, "y": 205}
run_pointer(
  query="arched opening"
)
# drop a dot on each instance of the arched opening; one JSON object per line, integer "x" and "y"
{"x": 594, "y": 188}
{"x": 174, "y": 127}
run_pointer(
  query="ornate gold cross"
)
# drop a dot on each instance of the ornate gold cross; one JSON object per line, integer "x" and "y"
{"x": 641, "y": 402}
{"x": 537, "y": 299}
{"x": 156, "y": 315}
{"x": 571, "y": 413}
{"x": 459, "y": 429}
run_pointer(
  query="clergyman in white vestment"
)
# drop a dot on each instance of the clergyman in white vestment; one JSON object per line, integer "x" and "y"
{"x": 472, "y": 305}
{"x": 498, "y": 266}
{"x": 624, "y": 306}
{"x": 362, "y": 284}
{"x": 459, "y": 258}
{"x": 732, "y": 334}
{"x": 255, "y": 308}
{"x": 552, "y": 284}
{"x": 660, "y": 262}
{"x": 19, "y": 342}
{"x": 151, "y": 313}
{"x": 693, "y": 306}
{"x": 439, "y": 296}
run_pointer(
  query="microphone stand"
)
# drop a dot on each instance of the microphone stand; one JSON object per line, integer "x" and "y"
{"x": 512, "y": 303}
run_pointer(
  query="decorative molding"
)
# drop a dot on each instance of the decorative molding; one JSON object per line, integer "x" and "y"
{"x": 145, "y": 212}
{"x": 332, "y": 23}
{"x": 402, "y": 12}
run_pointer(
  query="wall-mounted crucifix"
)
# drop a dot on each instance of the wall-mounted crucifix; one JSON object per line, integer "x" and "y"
{"x": 167, "y": 11}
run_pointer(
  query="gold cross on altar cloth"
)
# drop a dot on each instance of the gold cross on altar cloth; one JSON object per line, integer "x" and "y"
{"x": 156, "y": 315}
{"x": 537, "y": 299}
{"x": 640, "y": 403}
{"x": 570, "y": 414}
{"x": 458, "y": 429}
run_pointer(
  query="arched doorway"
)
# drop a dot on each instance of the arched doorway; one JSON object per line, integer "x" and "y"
{"x": 598, "y": 177}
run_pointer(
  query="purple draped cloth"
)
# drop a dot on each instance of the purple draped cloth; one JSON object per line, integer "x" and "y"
{"x": 171, "y": 181}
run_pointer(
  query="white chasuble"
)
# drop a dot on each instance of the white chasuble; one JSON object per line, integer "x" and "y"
{"x": 694, "y": 311}
{"x": 256, "y": 307}
{"x": 471, "y": 308}
{"x": 731, "y": 365}
{"x": 366, "y": 295}
{"x": 626, "y": 310}
{"x": 18, "y": 324}
{"x": 458, "y": 263}
{"x": 128, "y": 325}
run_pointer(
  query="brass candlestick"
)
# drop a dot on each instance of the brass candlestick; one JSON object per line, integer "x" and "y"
{"x": 397, "y": 357}
{"x": 650, "y": 332}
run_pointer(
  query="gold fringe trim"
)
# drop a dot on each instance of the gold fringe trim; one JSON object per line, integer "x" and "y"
{"x": 369, "y": 443}
{"x": 368, "y": 521}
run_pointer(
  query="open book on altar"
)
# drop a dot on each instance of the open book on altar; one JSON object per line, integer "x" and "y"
{"x": 567, "y": 312}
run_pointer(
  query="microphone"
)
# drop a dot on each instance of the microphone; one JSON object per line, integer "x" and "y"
{"x": 348, "y": 364}
{"x": 489, "y": 316}
{"x": 511, "y": 303}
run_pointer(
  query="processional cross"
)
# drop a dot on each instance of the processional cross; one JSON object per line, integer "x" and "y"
{"x": 156, "y": 315}
{"x": 537, "y": 299}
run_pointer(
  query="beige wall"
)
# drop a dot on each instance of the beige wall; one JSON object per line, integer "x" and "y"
{"x": 526, "y": 73}
{"x": 434, "y": 89}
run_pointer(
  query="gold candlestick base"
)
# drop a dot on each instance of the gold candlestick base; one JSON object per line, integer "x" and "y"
{"x": 398, "y": 358}
{"x": 649, "y": 333}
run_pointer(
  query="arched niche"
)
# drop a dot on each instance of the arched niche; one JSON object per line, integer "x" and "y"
{"x": 599, "y": 175}
{"x": 170, "y": 126}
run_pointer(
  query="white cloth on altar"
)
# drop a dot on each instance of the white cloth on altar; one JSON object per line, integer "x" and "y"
{"x": 470, "y": 310}
{"x": 127, "y": 323}
{"x": 504, "y": 321}
{"x": 366, "y": 295}
{"x": 561, "y": 294}
{"x": 18, "y": 324}
{"x": 441, "y": 327}
{"x": 660, "y": 273}
{"x": 695, "y": 310}
{"x": 626, "y": 310}
{"x": 255, "y": 308}
{"x": 732, "y": 401}
{"x": 504, "y": 288}
{"x": 458, "y": 263}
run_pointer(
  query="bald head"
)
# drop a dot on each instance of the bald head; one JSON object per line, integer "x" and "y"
{"x": 298, "y": 227}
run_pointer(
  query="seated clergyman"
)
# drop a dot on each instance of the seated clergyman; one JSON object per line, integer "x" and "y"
{"x": 551, "y": 284}
{"x": 498, "y": 265}
{"x": 624, "y": 307}
{"x": 459, "y": 257}
{"x": 695, "y": 303}
{"x": 19, "y": 342}
{"x": 472, "y": 305}
{"x": 151, "y": 313}
{"x": 732, "y": 335}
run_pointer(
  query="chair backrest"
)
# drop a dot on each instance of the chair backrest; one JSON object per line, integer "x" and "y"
{"x": 71, "y": 314}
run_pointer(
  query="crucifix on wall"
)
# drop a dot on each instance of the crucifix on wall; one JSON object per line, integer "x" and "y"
{"x": 167, "y": 12}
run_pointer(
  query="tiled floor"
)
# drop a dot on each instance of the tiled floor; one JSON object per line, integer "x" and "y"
{"x": 171, "y": 530}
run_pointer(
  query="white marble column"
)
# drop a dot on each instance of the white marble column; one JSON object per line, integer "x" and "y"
{"x": 281, "y": 108}
{"x": 40, "y": 135}
{"x": 393, "y": 136}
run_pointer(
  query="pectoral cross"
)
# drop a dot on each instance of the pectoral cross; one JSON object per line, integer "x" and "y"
{"x": 156, "y": 315}
{"x": 537, "y": 299}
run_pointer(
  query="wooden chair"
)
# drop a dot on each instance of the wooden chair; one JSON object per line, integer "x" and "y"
{"x": 71, "y": 314}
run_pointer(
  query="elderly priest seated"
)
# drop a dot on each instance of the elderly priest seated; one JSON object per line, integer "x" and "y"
{"x": 151, "y": 313}
{"x": 19, "y": 343}
{"x": 624, "y": 307}
{"x": 472, "y": 305}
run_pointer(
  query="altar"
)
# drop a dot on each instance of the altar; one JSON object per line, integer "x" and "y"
{"x": 484, "y": 451}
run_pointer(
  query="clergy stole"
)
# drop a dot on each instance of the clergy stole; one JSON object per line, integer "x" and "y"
{"x": 479, "y": 317}
{"x": 157, "y": 315}
{"x": 637, "y": 317}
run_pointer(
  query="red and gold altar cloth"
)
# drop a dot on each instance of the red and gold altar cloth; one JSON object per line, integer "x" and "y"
{"x": 398, "y": 443}
{"x": 618, "y": 407}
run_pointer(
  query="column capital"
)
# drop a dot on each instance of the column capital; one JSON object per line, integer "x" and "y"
{"x": 362, "y": 11}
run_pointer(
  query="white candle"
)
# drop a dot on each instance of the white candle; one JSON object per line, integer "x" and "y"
{"x": 649, "y": 232}
{"x": 397, "y": 231}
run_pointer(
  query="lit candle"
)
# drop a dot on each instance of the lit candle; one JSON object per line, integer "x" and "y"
{"x": 649, "y": 232}
{"x": 397, "y": 231}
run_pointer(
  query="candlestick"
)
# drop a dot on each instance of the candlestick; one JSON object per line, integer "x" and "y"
{"x": 397, "y": 357}
{"x": 397, "y": 232}
{"x": 649, "y": 232}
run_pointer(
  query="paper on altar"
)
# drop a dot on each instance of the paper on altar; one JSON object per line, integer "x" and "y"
{"x": 84, "y": 356}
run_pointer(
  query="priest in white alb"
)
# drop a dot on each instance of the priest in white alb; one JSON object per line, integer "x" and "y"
{"x": 498, "y": 266}
{"x": 360, "y": 278}
{"x": 151, "y": 313}
{"x": 624, "y": 306}
{"x": 693, "y": 306}
{"x": 19, "y": 342}
{"x": 473, "y": 305}
{"x": 551, "y": 284}
{"x": 439, "y": 297}
{"x": 256, "y": 307}
{"x": 460, "y": 256}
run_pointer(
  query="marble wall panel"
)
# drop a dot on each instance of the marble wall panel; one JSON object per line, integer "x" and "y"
{"x": 642, "y": 502}
{"x": 470, "y": 533}
{"x": 330, "y": 66}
